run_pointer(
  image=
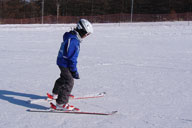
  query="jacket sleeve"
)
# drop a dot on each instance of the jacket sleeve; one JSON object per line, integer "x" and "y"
{"x": 73, "y": 53}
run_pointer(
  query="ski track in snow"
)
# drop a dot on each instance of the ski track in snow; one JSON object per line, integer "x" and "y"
{"x": 145, "y": 68}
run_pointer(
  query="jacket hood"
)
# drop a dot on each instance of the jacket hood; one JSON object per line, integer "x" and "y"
{"x": 72, "y": 34}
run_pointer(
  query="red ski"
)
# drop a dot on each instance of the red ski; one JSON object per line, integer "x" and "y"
{"x": 71, "y": 97}
{"x": 72, "y": 112}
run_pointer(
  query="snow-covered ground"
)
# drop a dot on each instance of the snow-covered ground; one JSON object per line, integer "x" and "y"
{"x": 145, "y": 68}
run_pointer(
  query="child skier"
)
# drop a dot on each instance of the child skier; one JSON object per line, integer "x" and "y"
{"x": 67, "y": 63}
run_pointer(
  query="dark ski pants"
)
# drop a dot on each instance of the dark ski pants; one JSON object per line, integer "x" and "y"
{"x": 63, "y": 86}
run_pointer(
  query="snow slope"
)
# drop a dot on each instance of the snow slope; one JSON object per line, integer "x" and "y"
{"x": 145, "y": 68}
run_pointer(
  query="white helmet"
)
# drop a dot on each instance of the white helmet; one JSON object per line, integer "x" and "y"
{"x": 84, "y": 27}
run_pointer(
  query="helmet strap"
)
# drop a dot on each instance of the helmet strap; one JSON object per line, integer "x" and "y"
{"x": 81, "y": 32}
{"x": 82, "y": 26}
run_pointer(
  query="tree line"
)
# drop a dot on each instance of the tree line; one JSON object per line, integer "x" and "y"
{"x": 33, "y": 8}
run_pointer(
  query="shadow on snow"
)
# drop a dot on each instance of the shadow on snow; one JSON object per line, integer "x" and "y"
{"x": 10, "y": 97}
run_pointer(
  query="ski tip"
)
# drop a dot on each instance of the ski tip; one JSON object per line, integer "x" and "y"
{"x": 53, "y": 106}
{"x": 103, "y": 93}
{"x": 113, "y": 112}
{"x": 49, "y": 96}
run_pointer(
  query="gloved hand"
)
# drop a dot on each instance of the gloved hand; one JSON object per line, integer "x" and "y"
{"x": 75, "y": 75}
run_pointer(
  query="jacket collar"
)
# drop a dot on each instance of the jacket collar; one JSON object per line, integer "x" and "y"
{"x": 78, "y": 36}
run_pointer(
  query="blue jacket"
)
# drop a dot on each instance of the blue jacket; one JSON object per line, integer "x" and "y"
{"x": 69, "y": 51}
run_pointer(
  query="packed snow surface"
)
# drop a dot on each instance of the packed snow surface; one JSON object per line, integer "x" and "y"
{"x": 145, "y": 68}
